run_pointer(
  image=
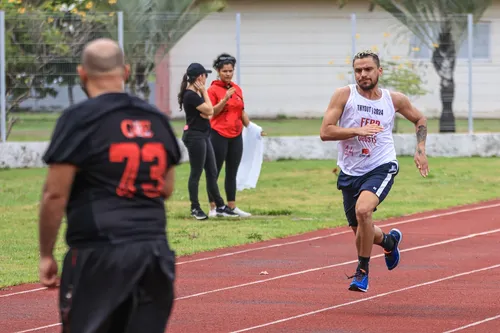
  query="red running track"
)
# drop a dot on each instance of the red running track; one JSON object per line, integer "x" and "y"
{"x": 447, "y": 281}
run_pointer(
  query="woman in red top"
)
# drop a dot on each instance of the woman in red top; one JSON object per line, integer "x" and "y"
{"x": 227, "y": 123}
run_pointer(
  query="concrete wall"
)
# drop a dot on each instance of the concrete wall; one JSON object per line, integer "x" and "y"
{"x": 29, "y": 154}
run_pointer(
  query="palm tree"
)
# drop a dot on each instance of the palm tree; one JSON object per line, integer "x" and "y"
{"x": 152, "y": 28}
{"x": 440, "y": 25}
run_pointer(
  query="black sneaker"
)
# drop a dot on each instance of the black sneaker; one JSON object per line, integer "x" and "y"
{"x": 198, "y": 214}
{"x": 226, "y": 212}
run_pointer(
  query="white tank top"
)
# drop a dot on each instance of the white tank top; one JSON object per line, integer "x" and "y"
{"x": 359, "y": 155}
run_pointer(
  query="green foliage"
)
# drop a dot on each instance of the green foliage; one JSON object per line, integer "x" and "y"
{"x": 42, "y": 39}
{"x": 151, "y": 30}
{"x": 32, "y": 41}
{"x": 78, "y": 26}
{"x": 45, "y": 39}
{"x": 405, "y": 78}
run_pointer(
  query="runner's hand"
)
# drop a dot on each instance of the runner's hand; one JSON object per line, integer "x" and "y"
{"x": 369, "y": 130}
{"x": 421, "y": 162}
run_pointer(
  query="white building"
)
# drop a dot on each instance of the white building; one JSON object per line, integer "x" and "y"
{"x": 293, "y": 54}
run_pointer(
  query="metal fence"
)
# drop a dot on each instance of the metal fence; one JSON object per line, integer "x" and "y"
{"x": 288, "y": 64}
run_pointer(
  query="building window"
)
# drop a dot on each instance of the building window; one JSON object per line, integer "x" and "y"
{"x": 481, "y": 49}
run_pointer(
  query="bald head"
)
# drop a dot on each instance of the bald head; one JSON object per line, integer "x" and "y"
{"x": 102, "y": 56}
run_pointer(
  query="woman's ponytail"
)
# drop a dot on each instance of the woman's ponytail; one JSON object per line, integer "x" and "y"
{"x": 184, "y": 85}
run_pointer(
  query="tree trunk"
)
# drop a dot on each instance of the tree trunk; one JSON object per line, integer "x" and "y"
{"x": 70, "y": 94}
{"x": 10, "y": 124}
{"x": 443, "y": 59}
{"x": 447, "y": 120}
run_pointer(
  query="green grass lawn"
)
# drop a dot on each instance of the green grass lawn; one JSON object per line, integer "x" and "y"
{"x": 292, "y": 197}
{"x": 39, "y": 126}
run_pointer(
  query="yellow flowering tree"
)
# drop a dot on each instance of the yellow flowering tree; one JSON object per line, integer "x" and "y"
{"x": 45, "y": 39}
{"x": 32, "y": 42}
{"x": 152, "y": 28}
{"x": 80, "y": 22}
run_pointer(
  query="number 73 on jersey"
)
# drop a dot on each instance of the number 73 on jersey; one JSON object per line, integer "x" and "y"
{"x": 133, "y": 155}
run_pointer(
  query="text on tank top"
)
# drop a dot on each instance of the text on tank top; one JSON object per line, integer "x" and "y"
{"x": 359, "y": 155}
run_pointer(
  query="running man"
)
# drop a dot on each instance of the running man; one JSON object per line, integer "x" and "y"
{"x": 367, "y": 158}
{"x": 111, "y": 167}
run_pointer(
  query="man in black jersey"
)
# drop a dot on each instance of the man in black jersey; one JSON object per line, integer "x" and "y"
{"x": 111, "y": 167}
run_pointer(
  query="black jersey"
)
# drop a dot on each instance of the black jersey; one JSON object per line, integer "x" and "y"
{"x": 122, "y": 147}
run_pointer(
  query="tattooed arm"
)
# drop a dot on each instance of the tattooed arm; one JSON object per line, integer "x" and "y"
{"x": 421, "y": 136}
{"x": 403, "y": 105}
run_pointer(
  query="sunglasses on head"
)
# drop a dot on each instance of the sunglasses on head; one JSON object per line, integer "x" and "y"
{"x": 227, "y": 59}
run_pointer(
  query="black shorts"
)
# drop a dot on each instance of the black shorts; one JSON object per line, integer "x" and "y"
{"x": 125, "y": 288}
{"x": 378, "y": 181}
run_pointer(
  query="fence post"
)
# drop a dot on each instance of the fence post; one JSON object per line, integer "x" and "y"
{"x": 353, "y": 39}
{"x": 238, "y": 48}
{"x": 3, "y": 88}
{"x": 119, "y": 16}
{"x": 471, "y": 49}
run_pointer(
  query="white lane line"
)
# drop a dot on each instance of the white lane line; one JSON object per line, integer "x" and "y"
{"x": 466, "y": 210}
{"x": 23, "y": 292}
{"x": 335, "y": 265}
{"x": 473, "y": 324}
{"x": 312, "y": 270}
{"x": 367, "y": 298}
{"x": 39, "y": 328}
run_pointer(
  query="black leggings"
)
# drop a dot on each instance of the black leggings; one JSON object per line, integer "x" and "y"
{"x": 201, "y": 157}
{"x": 227, "y": 150}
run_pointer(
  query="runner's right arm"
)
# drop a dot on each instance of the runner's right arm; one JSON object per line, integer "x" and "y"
{"x": 329, "y": 129}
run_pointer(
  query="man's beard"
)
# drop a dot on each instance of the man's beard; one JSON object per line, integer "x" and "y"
{"x": 369, "y": 87}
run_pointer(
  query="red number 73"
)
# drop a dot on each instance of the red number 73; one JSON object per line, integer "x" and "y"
{"x": 134, "y": 155}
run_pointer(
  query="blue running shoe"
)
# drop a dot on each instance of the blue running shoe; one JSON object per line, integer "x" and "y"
{"x": 360, "y": 281}
{"x": 392, "y": 257}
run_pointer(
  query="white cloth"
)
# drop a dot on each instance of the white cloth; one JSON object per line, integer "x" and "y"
{"x": 251, "y": 160}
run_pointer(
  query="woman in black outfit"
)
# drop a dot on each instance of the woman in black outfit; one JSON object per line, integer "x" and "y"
{"x": 196, "y": 137}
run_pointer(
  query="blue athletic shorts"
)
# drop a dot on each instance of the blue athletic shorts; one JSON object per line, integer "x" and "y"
{"x": 378, "y": 181}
